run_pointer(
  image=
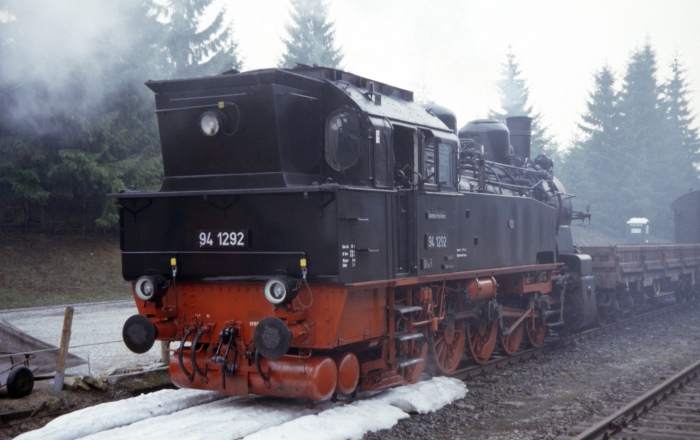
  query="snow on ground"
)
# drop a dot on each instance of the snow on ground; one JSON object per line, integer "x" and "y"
{"x": 93, "y": 323}
{"x": 107, "y": 416}
{"x": 190, "y": 414}
{"x": 379, "y": 412}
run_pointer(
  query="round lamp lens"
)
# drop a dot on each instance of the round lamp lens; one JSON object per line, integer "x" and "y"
{"x": 148, "y": 288}
{"x": 145, "y": 289}
{"x": 276, "y": 291}
{"x": 210, "y": 124}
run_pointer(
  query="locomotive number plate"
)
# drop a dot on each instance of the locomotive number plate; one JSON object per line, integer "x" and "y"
{"x": 435, "y": 241}
{"x": 226, "y": 239}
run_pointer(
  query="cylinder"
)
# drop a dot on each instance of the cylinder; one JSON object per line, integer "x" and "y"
{"x": 167, "y": 330}
{"x": 482, "y": 288}
{"x": 314, "y": 378}
{"x": 348, "y": 372}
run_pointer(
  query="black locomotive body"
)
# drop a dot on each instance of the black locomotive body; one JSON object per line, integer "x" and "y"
{"x": 686, "y": 210}
{"x": 317, "y": 231}
{"x": 308, "y": 162}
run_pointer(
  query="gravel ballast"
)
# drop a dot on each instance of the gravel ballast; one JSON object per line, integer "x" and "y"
{"x": 545, "y": 397}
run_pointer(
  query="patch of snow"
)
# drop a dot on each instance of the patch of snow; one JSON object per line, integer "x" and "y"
{"x": 193, "y": 414}
{"x": 230, "y": 418}
{"x": 107, "y": 416}
{"x": 382, "y": 411}
{"x": 345, "y": 422}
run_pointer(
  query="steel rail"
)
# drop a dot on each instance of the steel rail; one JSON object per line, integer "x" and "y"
{"x": 633, "y": 410}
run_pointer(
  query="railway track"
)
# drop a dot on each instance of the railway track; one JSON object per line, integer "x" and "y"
{"x": 557, "y": 341}
{"x": 671, "y": 410}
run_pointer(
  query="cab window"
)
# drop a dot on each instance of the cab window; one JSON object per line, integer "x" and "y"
{"x": 439, "y": 162}
{"x": 342, "y": 139}
{"x": 445, "y": 165}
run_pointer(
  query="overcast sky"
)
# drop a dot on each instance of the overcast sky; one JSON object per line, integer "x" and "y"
{"x": 452, "y": 51}
{"x": 447, "y": 51}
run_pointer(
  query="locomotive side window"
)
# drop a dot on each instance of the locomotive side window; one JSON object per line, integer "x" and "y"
{"x": 429, "y": 157}
{"x": 439, "y": 162}
{"x": 342, "y": 139}
{"x": 405, "y": 155}
{"x": 382, "y": 157}
{"x": 445, "y": 165}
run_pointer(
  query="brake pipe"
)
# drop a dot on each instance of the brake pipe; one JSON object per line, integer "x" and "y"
{"x": 189, "y": 375}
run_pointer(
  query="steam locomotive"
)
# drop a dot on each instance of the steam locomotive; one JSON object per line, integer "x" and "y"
{"x": 319, "y": 233}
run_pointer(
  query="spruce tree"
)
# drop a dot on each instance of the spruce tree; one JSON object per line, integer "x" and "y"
{"x": 515, "y": 98}
{"x": 640, "y": 103}
{"x": 311, "y": 38}
{"x": 637, "y": 153}
{"x": 93, "y": 133}
{"x": 682, "y": 137}
{"x": 601, "y": 120}
{"x": 645, "y": 162}
{"x": 192, "y": 47}
{"x": 590, "y": 167}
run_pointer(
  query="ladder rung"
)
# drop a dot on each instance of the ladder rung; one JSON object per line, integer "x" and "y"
{"x": 408, "y": 309}
{"x": 408, "y": 336}
{"x": 407, "y": 362}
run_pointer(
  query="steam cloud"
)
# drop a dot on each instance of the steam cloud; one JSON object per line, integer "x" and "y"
{"x": 67, "y": 48}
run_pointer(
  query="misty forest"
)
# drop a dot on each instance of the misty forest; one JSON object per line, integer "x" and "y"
{"x": 72, "y": 133}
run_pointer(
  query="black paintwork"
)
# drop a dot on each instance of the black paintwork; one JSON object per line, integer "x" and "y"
{"x": 357, "y": 219}
{"x": 686, "y": 209}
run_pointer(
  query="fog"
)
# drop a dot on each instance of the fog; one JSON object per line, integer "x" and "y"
{"x": 448, "y": 51}
{"x": 57, "y": 53}
{"x": 451, "y": 51}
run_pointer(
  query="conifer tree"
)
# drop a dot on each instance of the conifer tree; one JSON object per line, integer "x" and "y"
{"x": 590, "y": 167}
{"x": 646, "y": 166}
{"x": 192, "y": 47}
{"x": 681, "y": 135}
{"x": 515, "y": 97}
{"x": 311, "y": 39}
{"x": 637, "y": 153}
{"x": 640, "y": 103}
{"x": 60, "y": 158}
{"x": 602, "y": 118}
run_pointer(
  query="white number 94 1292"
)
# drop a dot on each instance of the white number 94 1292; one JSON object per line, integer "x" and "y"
{"x": 223, "y": 238}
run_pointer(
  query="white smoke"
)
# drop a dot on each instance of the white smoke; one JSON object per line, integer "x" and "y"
{"x": 53, "y": 37}
{"x": 6, "y": 16}
{"x": 66, "y": 47}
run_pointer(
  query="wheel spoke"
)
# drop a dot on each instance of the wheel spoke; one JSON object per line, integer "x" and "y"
{"x": 511, "y": 343}
{"x": 447, "y": 346}
{"x": 536, "y": 331}
{"x": 482, "y": 339}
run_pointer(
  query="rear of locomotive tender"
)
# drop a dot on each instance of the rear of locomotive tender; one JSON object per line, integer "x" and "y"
{"x": 311, "y": 231}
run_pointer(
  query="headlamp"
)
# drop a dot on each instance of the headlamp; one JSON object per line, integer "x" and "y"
{"x": 210, "y": 123}
{"x": 276, "y": 291}
{"x": 149, "y": 287}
